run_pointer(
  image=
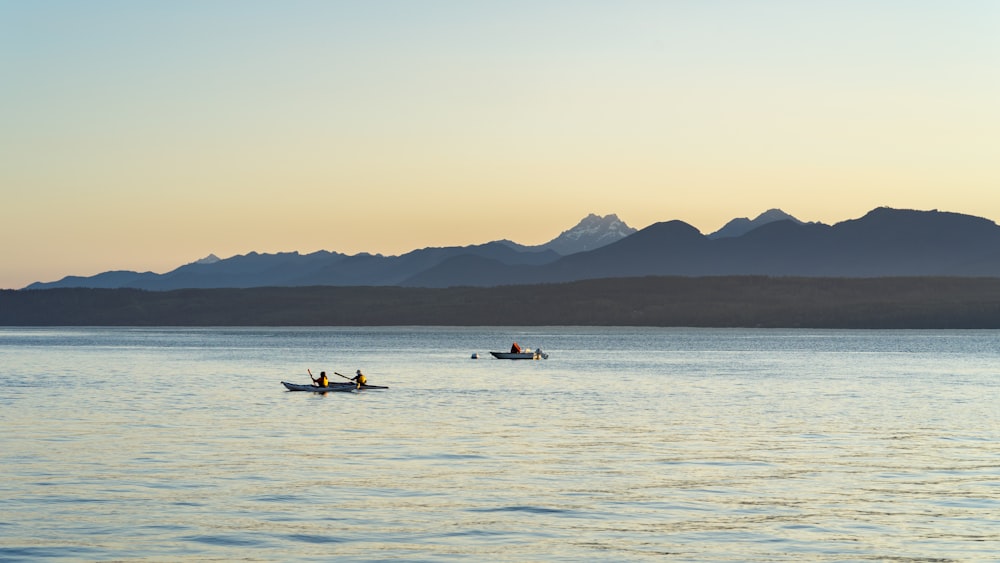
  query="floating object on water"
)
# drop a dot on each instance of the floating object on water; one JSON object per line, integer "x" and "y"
{"x": 525, "y": 355}
{"x": 343, "y": 387}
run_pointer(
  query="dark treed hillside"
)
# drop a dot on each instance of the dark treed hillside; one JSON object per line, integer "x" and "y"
{"x": 745, "y": 301}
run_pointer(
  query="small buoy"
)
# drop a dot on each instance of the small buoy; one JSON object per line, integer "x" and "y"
{"x": 475, "y": 356}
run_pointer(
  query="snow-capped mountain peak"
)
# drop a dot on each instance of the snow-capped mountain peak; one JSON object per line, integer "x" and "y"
{"x": 210, "y": 259}
{"x": 593, "y": 231}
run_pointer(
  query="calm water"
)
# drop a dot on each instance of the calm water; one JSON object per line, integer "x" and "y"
{"x": 626, "y": 444}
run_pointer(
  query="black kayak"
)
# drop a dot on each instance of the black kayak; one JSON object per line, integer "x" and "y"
{"x": 343, "y": 387}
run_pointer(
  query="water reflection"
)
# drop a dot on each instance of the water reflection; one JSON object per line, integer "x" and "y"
{"x": 627, "y": 444}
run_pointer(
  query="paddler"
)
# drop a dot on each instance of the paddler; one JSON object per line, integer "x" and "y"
{"x": 360, "y": 379}
{"x": 322, "y": 381}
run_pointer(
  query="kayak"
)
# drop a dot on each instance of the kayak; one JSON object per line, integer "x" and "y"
{"x": 345, "y": 387}
{"x": 363, "y": 387}
{"x": 317, "y": 389}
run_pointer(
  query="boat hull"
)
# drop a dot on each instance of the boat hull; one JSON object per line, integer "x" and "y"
{"x": 519, "y": 355}
{"x": 334, "y": 387}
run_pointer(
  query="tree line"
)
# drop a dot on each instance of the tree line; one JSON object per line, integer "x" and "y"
{"x": 725, "y": 301}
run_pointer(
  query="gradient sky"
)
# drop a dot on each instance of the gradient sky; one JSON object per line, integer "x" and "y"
{"x": 146, "y": 135}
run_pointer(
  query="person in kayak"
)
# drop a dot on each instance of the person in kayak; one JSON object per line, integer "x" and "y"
{"x": 360, "y": 379}
{"x": 322, "y": 381}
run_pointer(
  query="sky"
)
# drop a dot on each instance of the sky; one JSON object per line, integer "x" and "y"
{"x": 146, "y": 135}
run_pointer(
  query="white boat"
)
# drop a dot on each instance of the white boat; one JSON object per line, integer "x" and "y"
{"x": 523, "y": 355}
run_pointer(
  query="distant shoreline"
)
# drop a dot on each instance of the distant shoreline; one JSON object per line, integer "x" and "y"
{"x": 725, "y": 301}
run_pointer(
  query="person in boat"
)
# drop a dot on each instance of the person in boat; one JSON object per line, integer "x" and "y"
{"x": 360, "y": 379}
{"x": 320, "y": 381}
{"x": 515, "y": 348}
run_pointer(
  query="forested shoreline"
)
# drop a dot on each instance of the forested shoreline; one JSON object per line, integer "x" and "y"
{"x": 729, "y": 301}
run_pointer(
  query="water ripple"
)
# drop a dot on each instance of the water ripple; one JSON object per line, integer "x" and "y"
{"x": 710, "y": 446}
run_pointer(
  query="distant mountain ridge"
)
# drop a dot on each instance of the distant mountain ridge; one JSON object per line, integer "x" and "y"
{"x": 742, "y": 225}
{"x": 884, "y": 242}
{"x": 334, "y": 268}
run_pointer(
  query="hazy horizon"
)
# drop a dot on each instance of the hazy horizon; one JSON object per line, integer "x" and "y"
{"x": 146, "y": 136}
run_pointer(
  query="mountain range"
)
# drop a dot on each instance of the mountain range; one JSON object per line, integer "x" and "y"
{"x": 884, "y": 242}
{"x": 334, "y": 268}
